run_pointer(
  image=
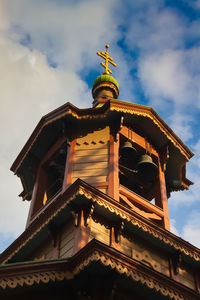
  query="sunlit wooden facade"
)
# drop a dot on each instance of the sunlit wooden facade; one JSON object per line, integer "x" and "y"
{"x": 96, "y": 229}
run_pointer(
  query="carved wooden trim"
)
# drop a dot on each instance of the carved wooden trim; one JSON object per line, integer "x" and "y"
{"x": 98, "y": 198}
{"x": 96, "y": 252}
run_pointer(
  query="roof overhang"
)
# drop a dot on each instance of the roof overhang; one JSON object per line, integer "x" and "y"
{"x": 93, "y": 255}
{"x": 80, "y": 192}
{"x": 61, "y": 121}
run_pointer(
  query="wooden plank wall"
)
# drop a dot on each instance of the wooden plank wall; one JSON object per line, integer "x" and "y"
{"x": 99, "y": 232}
{"x": 91, "y": 157}
{"x": 67, "y": 239}
{"x": 156, "y": 259}
{"x": 146, "y": 254}
{"x": 42, "y": 252}
{"x": 186, "y": 276}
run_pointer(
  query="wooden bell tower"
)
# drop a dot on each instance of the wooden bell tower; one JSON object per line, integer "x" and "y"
{"x": 99, "y": 180}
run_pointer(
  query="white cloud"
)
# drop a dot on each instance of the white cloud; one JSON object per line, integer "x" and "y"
{"x": 191, "y": 230}
{"x": 34, "y": 32}
{"x": 181, "y": 200}
{"x": 155, "y": 28}
{"x": 173, "y": 228}
{"x": 193, "y": 3}
{"x": 169, "y": 83}
{"x": 29, "y": 89}
{"x": 168, "y": 71}
{"x": 31, "y": 34}
{"x": 163, "y": 75}
{"x": 69, "y": 33}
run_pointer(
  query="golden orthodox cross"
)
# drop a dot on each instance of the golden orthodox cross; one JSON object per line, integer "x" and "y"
{"x": 108, "y": 59}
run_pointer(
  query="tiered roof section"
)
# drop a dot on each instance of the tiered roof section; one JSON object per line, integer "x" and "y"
{"x": 18, "y": 270}
{"x": 99, "y": 180}
{"x": 63, "y": 119}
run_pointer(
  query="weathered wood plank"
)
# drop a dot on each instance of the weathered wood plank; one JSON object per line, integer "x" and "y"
{"x": 42, "y": 252}
{"x": 92, "y": 146}
{"x": 146, "y": 254}
{"x": 186, "y": 277}
{"x": 105, "y": 191}
{"x": 66, "y": 247}
{"x": 66, "y": 252}
{"x": 100, "y": 232}
{"x": 91, "y": 172}
{"x": 91, "y": 180}
{"x": 66, "y": 240}
{"x": 135, "y": 198}
{"x": 91, "y": 159}
{"x": 98, "y": 136}
{"x": 88, "y": 165}
{"x": 103, "y": 151}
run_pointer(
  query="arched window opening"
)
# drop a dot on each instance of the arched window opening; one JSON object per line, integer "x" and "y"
{"x": 138, "y": 169}
{"x": 54, "y": 170}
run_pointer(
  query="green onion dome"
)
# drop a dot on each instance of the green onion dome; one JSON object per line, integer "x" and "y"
{"x": 107, "y": 82}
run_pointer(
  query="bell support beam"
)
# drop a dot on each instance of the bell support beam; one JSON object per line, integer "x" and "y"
{"x": 161, "y": 196}
{"x": 135, "y": 198}
{"x": 69, "y": 165}
{"x": 37, "y": 193}
{"x": 113, "y": 185}
{"x": 134, "y": 137}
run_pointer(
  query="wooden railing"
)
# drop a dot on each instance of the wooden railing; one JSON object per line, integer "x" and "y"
{"x": 132, "y": 199}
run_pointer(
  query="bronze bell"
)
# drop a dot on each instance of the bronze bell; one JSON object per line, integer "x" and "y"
{"x": 127, "y": 153}
{"x": 147, "y": 170}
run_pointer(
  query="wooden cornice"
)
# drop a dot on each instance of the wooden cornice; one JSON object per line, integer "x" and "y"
{"x": 145, "y": 111}
{"x": 95, "y": 112}
{"x": 36, "y": 273}
{"x": 99, "y": 199}
{"x": 62, "y": 111}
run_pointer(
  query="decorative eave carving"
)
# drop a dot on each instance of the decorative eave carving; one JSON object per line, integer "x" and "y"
{"x": 97, "y": 198}
{"x": 13, "y": 276}
{"x": 67, "y": 109}
{"x": 111, "y": 113}
{"x": 101, "y": 112}
{"x": 148, "y": 112}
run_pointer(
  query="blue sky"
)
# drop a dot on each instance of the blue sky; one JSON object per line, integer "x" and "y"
{"x": 48, "y": 57}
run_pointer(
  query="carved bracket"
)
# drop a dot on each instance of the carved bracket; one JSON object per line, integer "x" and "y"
{"x": 87, "y": 213}
{"x": 164, "y": 157}
{"x": 115, "y": 126}
{"x": 53, "y": 232}
{"x": 76, "y": 218}
{"x": 118, "y": 230}
{"x": 176, "y": 261}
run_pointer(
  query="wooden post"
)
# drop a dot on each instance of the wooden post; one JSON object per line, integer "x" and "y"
{"x": 171, "y": 269}
{"x": 113, "y": 242}
{"x": 113, "y": 178}
{"x": 32, "y": 204}
{"x": 197, "y": 282}
{"x": 82, "y": 233}
{"x": 69, "y": 165}
{"x": 161, "y": 196}
{"x": 38, "y": 194}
